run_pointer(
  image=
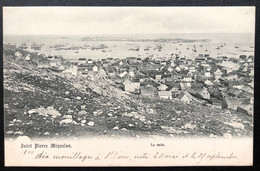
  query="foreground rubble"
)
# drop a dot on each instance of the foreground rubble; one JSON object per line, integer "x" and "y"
{"x": 41, "y": 103}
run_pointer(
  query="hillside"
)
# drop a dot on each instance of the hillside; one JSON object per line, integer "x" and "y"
{"x": 42, "y": 103}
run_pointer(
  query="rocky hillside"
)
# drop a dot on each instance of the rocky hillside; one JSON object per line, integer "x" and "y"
{"x": 42, "y": 103}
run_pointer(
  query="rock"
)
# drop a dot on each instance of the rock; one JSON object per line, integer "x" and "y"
{"x": 83, "y": 121}
{"x": 53, "y": 112}
{"x": 82, "y": 112}
{"x": 235, "y": 125}
{"x": 213, "y": 136}
{"x": 18, "y": 133}
{"x": 227, "y": 135}
{"x": 131, "y": 125}
{"x": 97, "y": 112}
{"x": 66, "y": 121}
{"x": 67, "y": 117}
{"x": 46, "y": 133}
{"x": 32, "y": 111}
{"x": 82, "y": 124}
{"x": 110, "y": 114}
{"x": 70, "y": 111}
{"x": 10, "y": 132}
{"x": 124, "y": 129}
{"x": 116, "y": 127}
{"x": 67, "y": 92}
{"x": 91, "y": 123}
{"x": 189, "y": 126}
{"x": 178, "y": 112}
{"x": 78, "y": 98}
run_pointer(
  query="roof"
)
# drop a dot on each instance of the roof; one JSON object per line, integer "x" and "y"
{"x": 127, "y": 82}
{"x": 185, "y": 85}
{"x": 182, "y": 94}
{"x": 162, "y": 87}
{"x": 246, "y": 106}
{"x": 232, "y": 101}
{"x": 164, "y": 93}
{"x": 147, "y": 89}
{"x": 207, "y": 82}
{"x": 234, "y": 91}
{"x": 202, "y": 90}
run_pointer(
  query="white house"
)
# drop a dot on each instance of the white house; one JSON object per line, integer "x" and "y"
{"x": 18, "y": 54}
{"x": 132, "y": 87}
{"x": 28, "y": 57}
{"x": 165, "y": 94}
{"x": 203, "y": 93}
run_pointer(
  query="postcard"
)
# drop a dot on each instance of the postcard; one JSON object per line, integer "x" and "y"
{"x": 128, "y": 86}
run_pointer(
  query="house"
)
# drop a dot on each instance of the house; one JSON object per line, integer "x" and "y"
{"x": 162, "y": 87}
{"x": 28, "y": 57}
{"x": 165, "y": 94}
{"x": 131, "y": 73}
{"x": 185, "y": 86}
{"x": 177, "y": 69}
{"x": 187, "y": 79}
{"x": 90, "y": 61}
{"x": 208, "y": 83}
{"x": 234, "y": 92}
{"x": 148, "y": 90}
{"x": 174, "y": 87}
{"x": 247, "y": 109}
{"x": 111, "y": 72}
{"x": 18, "y": 54}
{"x": 95, "y": 68}
{"x": 132, "y": 87}
{"x": 203, "y": 92}
{"x": 217, "y": 73}
{"x": 243, "y": 57}
{"x": 235, "y": 84}
{"x": 231, "y": 76}
{"x": 170, "y": 69}
{"x": 192, "y": 69}
{"x": 123, "y": 74}
{"x": 250, "y": 59}
{"x": 185, "y": 97}
{"x": 43, "y": 64}
{"x": 134, "y": 60}
{"x": 230, "y": 103}
{"x": 54, "y": 63}
{"x": 247, "y": 95}
{"x": 82, "y": 61}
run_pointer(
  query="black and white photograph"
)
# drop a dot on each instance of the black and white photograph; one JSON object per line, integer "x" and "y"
{"x": 148, "y": 75}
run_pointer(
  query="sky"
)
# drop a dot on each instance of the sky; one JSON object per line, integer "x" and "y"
{"x": 127, "y": 20}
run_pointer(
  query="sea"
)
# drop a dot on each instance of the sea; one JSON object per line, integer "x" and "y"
{"x": 219, "y": 44}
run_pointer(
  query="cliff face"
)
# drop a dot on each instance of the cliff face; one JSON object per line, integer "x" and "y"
{"x": 42, "y": 103}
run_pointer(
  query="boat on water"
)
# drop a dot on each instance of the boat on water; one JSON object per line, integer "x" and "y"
{"x": 35, "y": 46}
{"x": 23, "y": 46}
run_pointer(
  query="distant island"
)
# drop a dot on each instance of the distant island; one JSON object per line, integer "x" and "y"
{"x": 176, "y": 40}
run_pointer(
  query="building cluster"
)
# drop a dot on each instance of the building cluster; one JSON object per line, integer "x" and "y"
{"x": 221, "y": 81}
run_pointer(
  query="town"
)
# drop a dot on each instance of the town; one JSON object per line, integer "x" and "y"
{"x": 220, "y": 81}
